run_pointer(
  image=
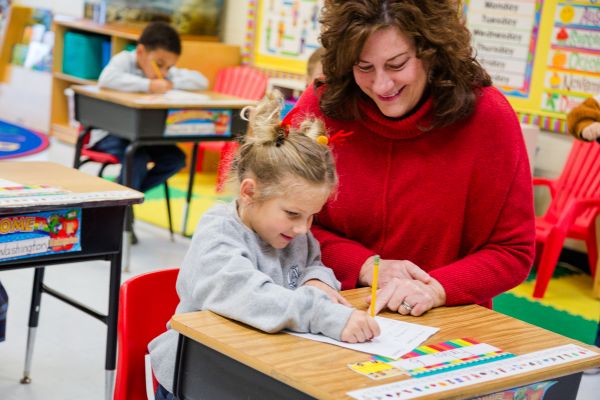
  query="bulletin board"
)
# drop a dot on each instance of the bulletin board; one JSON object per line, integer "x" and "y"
{"x": 286, "y": 33}
{"x": 544, "y": 55}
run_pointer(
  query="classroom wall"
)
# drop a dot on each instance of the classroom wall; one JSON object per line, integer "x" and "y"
{"x": 66, "y": 7}
{"x": 235, "y": 18}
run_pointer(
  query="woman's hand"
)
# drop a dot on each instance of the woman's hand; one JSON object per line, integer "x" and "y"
{"x": 360, "y": 328}
{"x": 333, "y": 294}
{"x": 390, "y": 269}
{"x": 410, "y": 297}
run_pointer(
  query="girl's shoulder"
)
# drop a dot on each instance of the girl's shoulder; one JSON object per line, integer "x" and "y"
{"x": 220, "y": 217}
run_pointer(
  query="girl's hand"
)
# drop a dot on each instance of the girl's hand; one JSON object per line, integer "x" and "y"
{"x": 160, "y": 85}
{"x": 333, "y": 294}
{"x": 390, "y": 269}
{"x": 360, "y": 328}
{"x": 410, "y": 297}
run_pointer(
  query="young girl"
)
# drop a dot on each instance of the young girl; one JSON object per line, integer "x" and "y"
{"x": 255, "y": 260}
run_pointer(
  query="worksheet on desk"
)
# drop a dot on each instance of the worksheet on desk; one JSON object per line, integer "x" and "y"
{"x": 397, "y": 338}
{"x": 174, "y": 96}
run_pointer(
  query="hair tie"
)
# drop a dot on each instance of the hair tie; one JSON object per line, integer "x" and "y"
{"x": 339, "y": 136}
{"x": 322, "y": 139}
{"x": 281, "y": 133}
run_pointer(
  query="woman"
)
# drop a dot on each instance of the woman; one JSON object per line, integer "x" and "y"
{"x": 435, "y": 175}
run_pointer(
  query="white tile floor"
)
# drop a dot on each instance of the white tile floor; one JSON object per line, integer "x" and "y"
{"x": 68, "y": 362}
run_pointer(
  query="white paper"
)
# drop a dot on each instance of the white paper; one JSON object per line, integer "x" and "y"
{"x": 36, "y": 52}
{"x": 4, "y": 183}
{"x": 174, "y": 96}
{"x": 397, "y": 338}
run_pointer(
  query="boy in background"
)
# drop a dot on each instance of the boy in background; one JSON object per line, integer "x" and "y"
{"x": 149, "y": 68}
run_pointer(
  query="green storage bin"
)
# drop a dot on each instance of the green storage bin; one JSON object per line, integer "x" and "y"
{"x": 82, "y": 54}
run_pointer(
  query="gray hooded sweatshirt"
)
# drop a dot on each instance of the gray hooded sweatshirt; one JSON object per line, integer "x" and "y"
{"x": 231, "y": 271}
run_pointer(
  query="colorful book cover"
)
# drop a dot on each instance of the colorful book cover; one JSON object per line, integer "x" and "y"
{"x": 37, "y": 234}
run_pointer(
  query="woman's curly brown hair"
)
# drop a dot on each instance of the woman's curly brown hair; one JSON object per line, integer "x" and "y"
{"x": 441, "y": 41}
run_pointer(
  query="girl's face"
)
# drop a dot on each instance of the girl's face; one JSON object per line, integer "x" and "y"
{"x": 278, "y": 220}
{"x": 389, "y": 72}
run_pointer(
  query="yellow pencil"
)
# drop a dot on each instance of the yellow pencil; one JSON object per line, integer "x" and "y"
{"x": 156, "y": 69}
{"x": 374, "y": 285}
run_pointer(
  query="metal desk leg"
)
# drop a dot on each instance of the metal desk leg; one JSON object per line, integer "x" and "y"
{"x": 111, "y": 324}
{"x": 78, "y": 146}
{"x": 127, "y": 165}
{"x": 34, "y": 314}
{"x": 188, "y": 198}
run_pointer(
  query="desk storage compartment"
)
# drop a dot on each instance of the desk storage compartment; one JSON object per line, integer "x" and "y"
{"x": 85, "y": 54}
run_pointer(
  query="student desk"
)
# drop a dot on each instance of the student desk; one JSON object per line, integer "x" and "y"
{"x": 222, "y": 359}
{"x": 142, "y": 117}
{"x": 101, "y": 227}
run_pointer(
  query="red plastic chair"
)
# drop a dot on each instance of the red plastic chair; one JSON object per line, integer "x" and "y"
{"x": 147, "y": 302}
{"x": 83, "y": 155}
{"x": 572, "y": 211}
{"x": 247, "y": 83}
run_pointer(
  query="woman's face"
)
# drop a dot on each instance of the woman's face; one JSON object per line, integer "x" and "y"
{"x": 389, "y": 72}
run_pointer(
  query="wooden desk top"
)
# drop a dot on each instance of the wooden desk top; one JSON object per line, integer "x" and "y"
{"x": 156, "y": 101}
{"x": 320, "y": 370}
{"x": 56, "y": 175}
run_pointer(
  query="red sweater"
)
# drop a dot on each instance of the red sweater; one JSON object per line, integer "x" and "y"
{"x": 456, "y": 201}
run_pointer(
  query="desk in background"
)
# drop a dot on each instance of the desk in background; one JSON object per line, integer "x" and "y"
{"x": 101, "y": 228}
{"x": 142, "y": 119}
{"x": 221, "y": 358}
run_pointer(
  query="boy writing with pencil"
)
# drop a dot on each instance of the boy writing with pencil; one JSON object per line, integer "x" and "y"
{"x": 149, "y": 68}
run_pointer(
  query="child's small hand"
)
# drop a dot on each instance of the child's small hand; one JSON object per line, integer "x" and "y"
{"x": 333, "y": 294}
{"x": 160, "y": 85}
{"x": 591, "y": 132}
{"x": 360, "y": 328}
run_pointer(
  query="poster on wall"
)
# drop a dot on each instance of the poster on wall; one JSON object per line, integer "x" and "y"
{"x": 287, "y": 32}
{"x": 504, "y": 35}
{"x": 573, "y": 71}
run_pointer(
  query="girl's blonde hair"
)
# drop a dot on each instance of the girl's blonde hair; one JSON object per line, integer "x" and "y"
{"x": 271, "y": 153}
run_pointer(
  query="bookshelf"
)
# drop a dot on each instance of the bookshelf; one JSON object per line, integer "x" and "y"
{"x": 203, "y": 53}
{"x": 18, "y": 17}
